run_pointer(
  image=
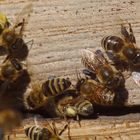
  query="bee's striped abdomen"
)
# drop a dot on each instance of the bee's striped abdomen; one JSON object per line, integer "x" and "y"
{"x": 55, "y": 86}
{"x": 84, "y": 107}
{"x": 113, "y": 43}
{"x": 37, "y": 133}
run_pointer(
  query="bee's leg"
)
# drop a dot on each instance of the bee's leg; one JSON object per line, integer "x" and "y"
{"x": 31, "y": 42}
{"x": 65, "y": 127}
{"x": 125, "y": 33}
{"x": 55, "y": 129}
{"x": 131, "y": 35}
{"x": 22, "y": 27}
{"x": 78, "y": 119}
{"x": 90, "y": 73}
{"x": 7, "y": 57}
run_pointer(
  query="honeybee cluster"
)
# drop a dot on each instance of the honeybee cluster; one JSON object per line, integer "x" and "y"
{"x": 103, "y": 84}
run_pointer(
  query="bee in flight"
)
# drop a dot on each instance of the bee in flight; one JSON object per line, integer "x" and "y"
{"x": 122, "y": 50}
{"x": 49, "y": 132}
{"x": 4, "y": 23}
{"x": 100, "y": 69}
{"x": 11, "y": 38}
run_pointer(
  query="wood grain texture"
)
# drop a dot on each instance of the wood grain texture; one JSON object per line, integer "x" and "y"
{"x": 105, "y": 128}
{"x": 61, "y": 29}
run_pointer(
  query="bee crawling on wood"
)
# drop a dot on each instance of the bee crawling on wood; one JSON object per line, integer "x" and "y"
{"x": 99, "y": 68}
{"x": 95, "y": 92}
{"x": 11, "y": 38}
{"x": 49, "y": 132}
{"x": 68, "y": 104}
{"x": 122, "y": 49}
{"x": 98, "y": 94}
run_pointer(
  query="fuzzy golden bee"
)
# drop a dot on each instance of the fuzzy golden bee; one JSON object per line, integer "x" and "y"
{"x": 4, "y": 22}
{"x": 36, "y": 132}
{"x": 55, "y": 86}
{"x": 98, "y": 67}
{"x": 11, "y": 38}
{"x": 122, "y": 50}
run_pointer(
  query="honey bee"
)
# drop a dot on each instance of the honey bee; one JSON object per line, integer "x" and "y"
{"x": 36, "y": 132}
{"x": 122, "y": 50}
{"x": 97, "y": 94}
{"x": 55, "y": 86}
{"x": 41, "y": 92}
{"x": 99, "y": 67}
{"x": 9, "y": 119}
{"x": 4, "y": 22}
{"x": 68, "y": 104}
{"x": 12, "y": 40}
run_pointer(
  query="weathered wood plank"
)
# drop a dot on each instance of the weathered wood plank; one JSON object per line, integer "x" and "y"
{"x": 61, "y": 29}
{"x": 108, "y": 128}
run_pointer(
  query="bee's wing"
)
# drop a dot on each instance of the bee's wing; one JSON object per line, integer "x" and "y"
{"x": 23, "y": 16}
{"x": 99, "y": 56}
{"x": 49, "y": 127}
{"x": 88, "y": 59}
{"x": 136, "y": 77}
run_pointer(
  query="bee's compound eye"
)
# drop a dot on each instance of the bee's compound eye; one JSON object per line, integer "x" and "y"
{"x": 137, "y": 59}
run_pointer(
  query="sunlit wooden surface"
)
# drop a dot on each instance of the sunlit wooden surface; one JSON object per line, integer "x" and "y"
{"x": 61, "y": 29}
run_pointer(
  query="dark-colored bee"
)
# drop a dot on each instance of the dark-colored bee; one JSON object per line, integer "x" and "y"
{"x": 99, "y": 68}
{"x": 55, "y": 86}
{"x": 11, "y": 38}
{"x": 36, "y": 132}
{"x": 122, "y": 50}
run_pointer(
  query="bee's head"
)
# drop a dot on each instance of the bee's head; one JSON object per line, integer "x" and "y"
{"x": 70, "y": 111}
{"x": 136, "y": 60}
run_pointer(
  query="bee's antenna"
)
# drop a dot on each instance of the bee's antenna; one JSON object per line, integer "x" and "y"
{"x": 35, "y": 121}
